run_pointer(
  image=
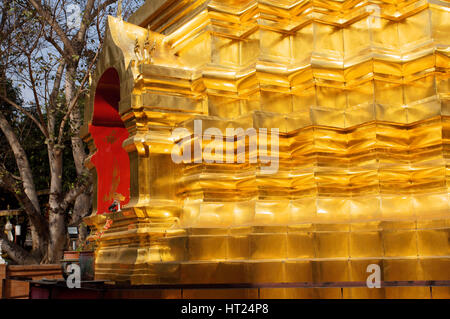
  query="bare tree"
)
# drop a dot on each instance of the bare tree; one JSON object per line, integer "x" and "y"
{"x": 49, "y": 48}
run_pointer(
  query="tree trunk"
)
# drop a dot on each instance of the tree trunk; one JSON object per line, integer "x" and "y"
{"x": 83, "y": 202}
{"x": 57, "y": 227}
{"x": 17, "y": 253}
{"x": 58, "y": 238}
{"x": 82, "y": 234}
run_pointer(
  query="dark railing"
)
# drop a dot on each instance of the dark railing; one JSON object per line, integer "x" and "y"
{"x": 102, "y": 289}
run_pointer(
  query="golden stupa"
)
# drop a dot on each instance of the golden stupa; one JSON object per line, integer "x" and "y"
{"x": 359, "y": 93}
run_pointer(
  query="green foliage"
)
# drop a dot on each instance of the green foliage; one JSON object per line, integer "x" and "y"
{"x": 34, "y": 144}
{"x": 6, "y": 156}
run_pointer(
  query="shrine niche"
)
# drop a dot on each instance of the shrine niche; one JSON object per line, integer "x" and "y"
{"x": 350, "y": 99}
{"x": 108, "y": 132}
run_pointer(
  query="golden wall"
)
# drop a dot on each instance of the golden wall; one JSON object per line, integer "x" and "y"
{"x": 359, "y": 91}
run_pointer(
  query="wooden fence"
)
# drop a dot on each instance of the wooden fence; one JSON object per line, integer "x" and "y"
{"x": 12, "y": 285}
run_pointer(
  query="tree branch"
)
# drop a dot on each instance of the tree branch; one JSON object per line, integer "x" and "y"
{"x": 47, "y": 16}
{"x": 36, "y": 98}
{"x": 21, "y": 160}
{"x": 17, "y": 253}
{"x": 102, "y": 7}
{"x": 85, "y": 22}
{"x": 72, "y": 195}
{"x": 50, "y": 39}
{"x": 74, "y": 101}
{"x": 21, "y": 109}
{"x": 54, "y": 95}
{"x": 8, "y": 183}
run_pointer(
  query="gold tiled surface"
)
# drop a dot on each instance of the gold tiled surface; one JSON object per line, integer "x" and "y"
{"x": 362, "y": 105}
